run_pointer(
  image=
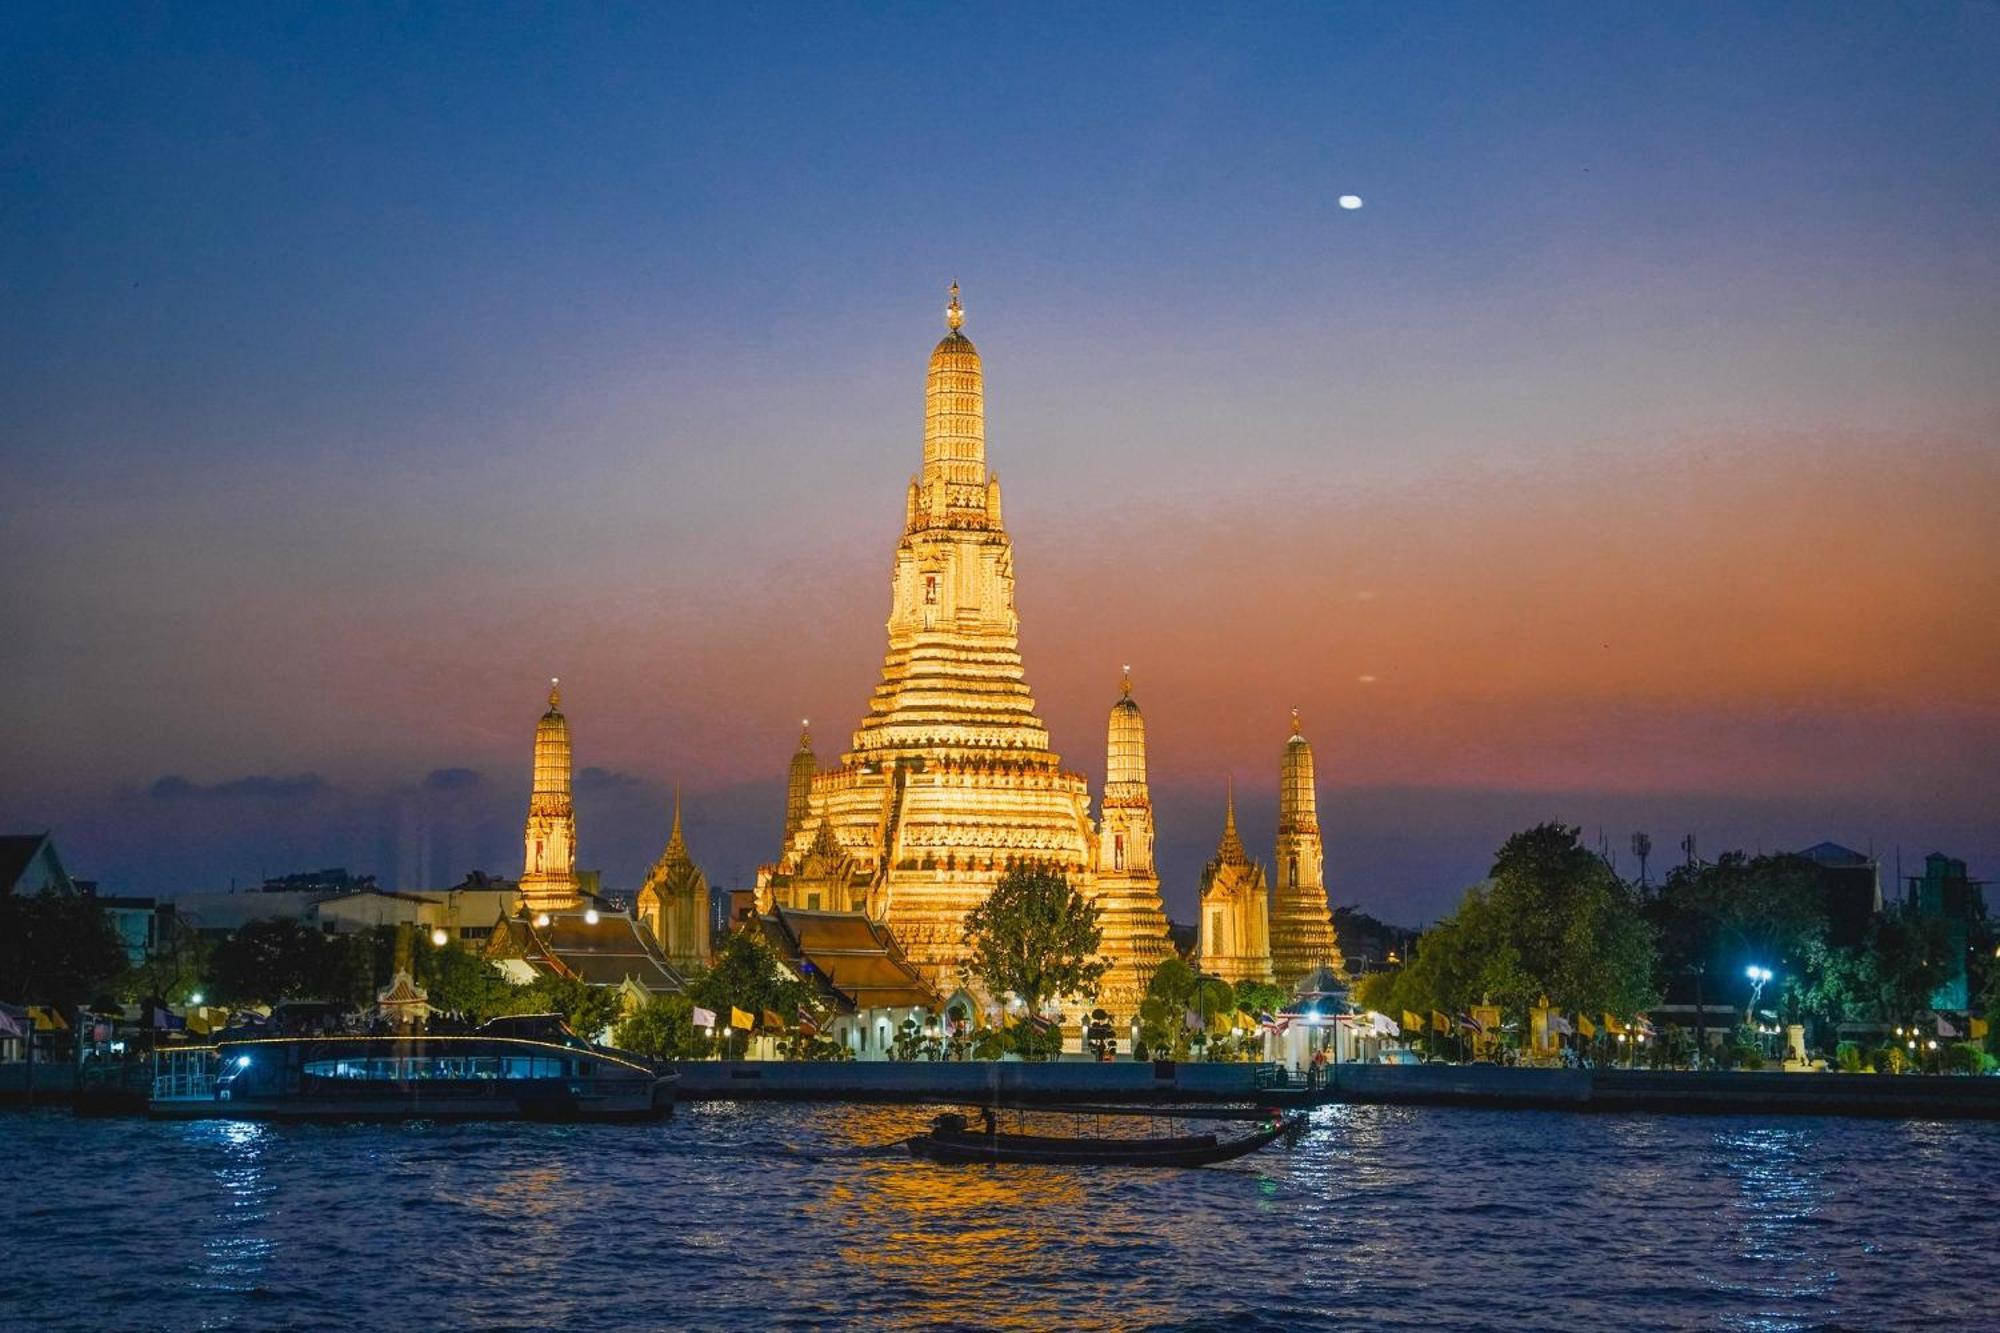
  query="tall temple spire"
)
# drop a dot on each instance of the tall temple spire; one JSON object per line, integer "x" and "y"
{"x": 953, "y": 484}
{"x": 950, "y": 781}
{"x": 1231, "y": 846}
{"x": 1136, "y": 938}
{"x": 1302, "y": 934}
{"x": 798, "y": 783}
{"x": 548, "y": 869}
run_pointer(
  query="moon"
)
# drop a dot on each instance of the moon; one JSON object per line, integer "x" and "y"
{"x": 1350, "y": 201}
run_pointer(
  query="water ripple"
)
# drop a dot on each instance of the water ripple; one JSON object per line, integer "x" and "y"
{"x": 772, "y": 1217}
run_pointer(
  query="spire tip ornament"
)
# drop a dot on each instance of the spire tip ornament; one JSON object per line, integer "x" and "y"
{"x": 555, "y": 695}
{"x": 954, "y": 314}
{"x": 1127, "y": 683}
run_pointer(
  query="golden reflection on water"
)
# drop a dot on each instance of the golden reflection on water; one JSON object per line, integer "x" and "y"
{"x": 980, "y": 1244}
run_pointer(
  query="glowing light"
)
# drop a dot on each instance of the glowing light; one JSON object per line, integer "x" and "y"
{"x": 542, "y": 920}
{"x": 590, "y": 916}
{"x": 195, "y": 998}
{"x": 1350, "y": 202}
{"x": 1365, "y": 680}
{"x": 439, "y": 938}
{"x": 242, "y": 1062}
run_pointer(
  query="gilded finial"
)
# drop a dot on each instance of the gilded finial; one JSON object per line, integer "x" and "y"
{"x": 675, "y": 836}
{"x": 1295, "y": 722}
{"x": 805, "y": 733}
{"x": 1128, "y": 680}
{"x": 1229, "y": 804}
{"x": 954, "y": 314}
{"x": 555, "y": 695}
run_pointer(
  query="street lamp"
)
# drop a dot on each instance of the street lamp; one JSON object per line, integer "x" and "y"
{"x": 1758, "y": 977}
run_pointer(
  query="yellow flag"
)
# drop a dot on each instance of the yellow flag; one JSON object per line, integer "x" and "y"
{"x": 1612, "y": 1025}
{"x": 1412, "y": 1022}
{"x": 1440, "y": 1023}
{"x": 1978, "y": 1028}
{"x": 1584, "y": 1027}
{"x": 741, "y": 1019}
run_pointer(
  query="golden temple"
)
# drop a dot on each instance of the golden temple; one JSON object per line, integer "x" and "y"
{"x": 950, "y": 781}
{"x": 1302, "y": 937}
{"x": 673, "y": 902}
{"x": 548, "y": 869}
{"x": 1235, "y": 932}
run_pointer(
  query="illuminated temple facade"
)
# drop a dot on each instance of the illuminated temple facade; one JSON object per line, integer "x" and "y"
{"x": 548, "y": 869}
{"x": 1235, "y": 929}
{"x": 1302, "y": 935}
{"x": 950, "y": 781}
{"x": 673, "y": 903}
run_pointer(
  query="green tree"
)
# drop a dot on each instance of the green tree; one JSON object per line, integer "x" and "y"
{"x": 57, "y": 949}
{"x": 1261, "y": 997}
{"x": 459, "y": 981}
{"x": 663, "y": 1029}
{"x": 1170, "y": 992}
{"x": 587, "y": 1009}
{"x": 1768, "y": 911}
{"x": 1035, "y": 938}
{"x": 1552, "y": 919}
{"x": 175, "y": 970}
{"x": 748, "y": 976}
{"x": 280, "y": 958}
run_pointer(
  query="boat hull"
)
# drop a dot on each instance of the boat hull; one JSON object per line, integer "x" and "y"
{"x": 483, "y": 1076}
{"x": 967, "y": 1148}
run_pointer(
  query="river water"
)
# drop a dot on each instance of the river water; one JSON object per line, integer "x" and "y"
{"x": 765, "y": 1216}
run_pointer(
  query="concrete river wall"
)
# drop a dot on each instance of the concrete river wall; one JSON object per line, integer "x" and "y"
{"x": 1910, "y": 1096}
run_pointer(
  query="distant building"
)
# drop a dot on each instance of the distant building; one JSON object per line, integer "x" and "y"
{"x": 142, "y": 923}
{"x": 1945, "y": 892}
{"x": 1851, "y": 884}
{"x": 29, "y": 864}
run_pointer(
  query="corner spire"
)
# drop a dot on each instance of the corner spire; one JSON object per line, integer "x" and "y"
{"x": 1229, "y": 806}
{"x": 675, "y": 836}
{"x": 954, "y": 314}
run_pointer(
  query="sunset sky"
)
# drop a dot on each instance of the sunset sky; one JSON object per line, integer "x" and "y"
{"x": 1631, "y": 458}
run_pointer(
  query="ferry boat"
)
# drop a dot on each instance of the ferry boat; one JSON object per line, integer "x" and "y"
{"x": 521, "y": 1068}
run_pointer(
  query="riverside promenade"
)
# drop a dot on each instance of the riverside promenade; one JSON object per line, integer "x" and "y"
{"x": 1898, "y": 1096}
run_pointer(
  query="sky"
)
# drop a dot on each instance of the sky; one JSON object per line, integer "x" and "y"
{"x": 1631, "y": 458}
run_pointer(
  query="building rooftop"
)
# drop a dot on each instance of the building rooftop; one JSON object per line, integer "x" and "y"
{"x": 857, "y": 958}
{"x": 601, "y": 952}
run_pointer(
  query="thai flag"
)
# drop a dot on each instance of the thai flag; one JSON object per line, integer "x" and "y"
{"x": 1561, "y": 1026}
{"x": 1468, "y": 1021}
{"x": 703, "y": 1018}
{"x": 1945, "y": 1029}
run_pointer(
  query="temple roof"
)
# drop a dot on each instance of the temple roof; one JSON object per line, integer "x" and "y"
{"x": 600, "y": 952}
{"x": 858, "y": 958}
